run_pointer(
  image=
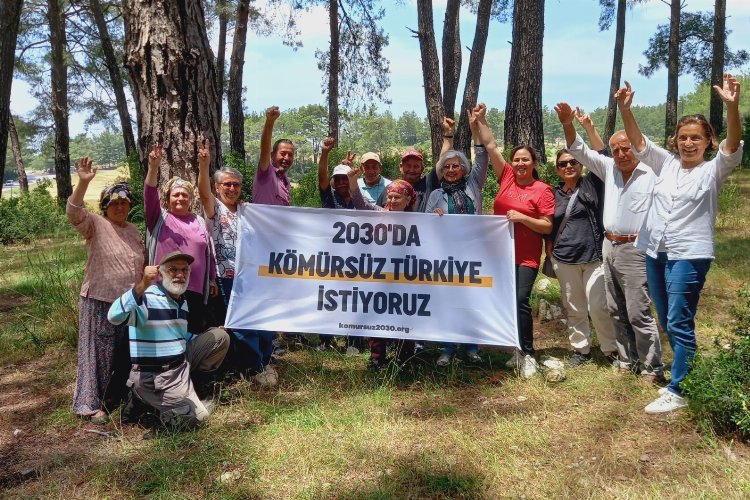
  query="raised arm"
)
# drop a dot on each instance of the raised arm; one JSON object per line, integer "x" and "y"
{"x": 730, "y": 94}
{"x": 154, "y": 160}
{"x": 487, "y": 138}
{"x": 86, "y": 173}
{"x": 359, "y": 201}
{"x": 566, "y": 115}
{"x": 121, "y": 309}
{"x": 624, "y": 98}
{"x": 597, "y": 144}
{"x": 324, "y": 182}
{"x": 448, "y": 134}
{"x": 204, "y": 181}
{"x": 264, "y": 161}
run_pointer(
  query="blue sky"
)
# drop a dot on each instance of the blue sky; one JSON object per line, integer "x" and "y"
{"x": 576, "y": 68}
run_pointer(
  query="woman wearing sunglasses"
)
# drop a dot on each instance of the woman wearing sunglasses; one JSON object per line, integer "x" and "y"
{"x": 575, "y": 249}
{"x": 678, "y": 234}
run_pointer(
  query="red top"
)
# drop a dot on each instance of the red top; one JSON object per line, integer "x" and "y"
{"x": 534, "y": 200}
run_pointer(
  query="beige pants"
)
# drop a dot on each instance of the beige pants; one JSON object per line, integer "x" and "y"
{"x": 171, "y": 392}
{"x": 583, "y": 294}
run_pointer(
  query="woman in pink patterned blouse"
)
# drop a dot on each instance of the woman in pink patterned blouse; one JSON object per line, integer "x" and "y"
{"x": 115, "y": 263}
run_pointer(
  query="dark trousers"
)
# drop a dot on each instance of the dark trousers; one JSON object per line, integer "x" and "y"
{"x": 378, "y": 346}
{"x": 525, "y": 277}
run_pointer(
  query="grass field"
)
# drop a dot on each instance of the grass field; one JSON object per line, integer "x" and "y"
{"x": 103, "y": 178}
{"x": 334, "y": 430}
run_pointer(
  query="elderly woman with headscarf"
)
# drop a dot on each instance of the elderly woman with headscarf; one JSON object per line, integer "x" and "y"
{"x": 171, "y": 226}
{"x": 460, "y": 192}
{"x": 400, "y": 197}
{"x": 114, "y": 264}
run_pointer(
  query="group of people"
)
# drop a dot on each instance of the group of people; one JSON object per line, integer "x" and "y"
{"x": 638, "y": 228}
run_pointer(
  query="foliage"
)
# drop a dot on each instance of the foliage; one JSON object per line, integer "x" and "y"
{"x": 30, "y": 216}
{"x": 363, "y": 69}
{"x": 696, "y": 47}
{"x": 718, "y": 386}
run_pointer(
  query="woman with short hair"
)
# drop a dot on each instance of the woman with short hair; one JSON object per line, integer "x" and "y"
{"x": 171, "y": 226}
{"x": 678, "y": 233}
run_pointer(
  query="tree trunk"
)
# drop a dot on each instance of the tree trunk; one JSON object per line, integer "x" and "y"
{"x": 673, "y": 69}
{"x": 462, "y": 141}
{"x": 23, "y": 181}
{"x": 221, "y": 51}
{"x": 523, "y": 108}
{"x": 609, "y": 125}
{"x": 171, "y": 68}
{"x": 234, "y": 92}
{"x": 334, "y": 64}
{"x": 451, "y": 56}
{"x": 716, "y": 115}
{"x": 118, "y": 86}
{"x": 10, "y": 17}
{"x": 430, "y": 75}
{"x": 59, "y": 104}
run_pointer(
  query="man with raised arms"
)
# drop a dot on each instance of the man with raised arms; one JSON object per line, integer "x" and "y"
{"x": 627, "y": 195}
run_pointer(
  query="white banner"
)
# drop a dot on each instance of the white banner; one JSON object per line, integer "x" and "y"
{"x": 375, "y": 274}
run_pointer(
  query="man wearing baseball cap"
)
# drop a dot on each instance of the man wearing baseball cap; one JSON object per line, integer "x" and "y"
{"x": 372, "y": 184}
{"x": 162, "y": 351}
{"x": 412, "y": 168}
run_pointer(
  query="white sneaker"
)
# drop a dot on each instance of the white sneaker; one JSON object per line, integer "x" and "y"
{"x": 268, "y": 378}
{"x": 352, "y": 351}
{"x": 514, "y": 361}
{"x": 443, "y": 360}
{"x": 528, "y": 366}
{"x": 665, "y": 403}
{"x": 662, "y": 390}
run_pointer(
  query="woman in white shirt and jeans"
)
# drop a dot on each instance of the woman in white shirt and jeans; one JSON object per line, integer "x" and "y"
{"x": 678, "y": 234}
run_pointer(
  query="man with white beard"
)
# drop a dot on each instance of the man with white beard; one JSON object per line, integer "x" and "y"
{"x": 162, "y": 351}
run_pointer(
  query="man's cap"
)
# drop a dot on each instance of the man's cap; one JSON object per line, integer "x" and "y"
{"x": 370, "y": 156}
{"x": 176, "y": 255}
{"x": 340, "y": 170}
{"x": 412, "y": 152}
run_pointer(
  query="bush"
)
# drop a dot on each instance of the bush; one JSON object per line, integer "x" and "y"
{"x": 30, "y": 216}
{"x": 718, "y": 386}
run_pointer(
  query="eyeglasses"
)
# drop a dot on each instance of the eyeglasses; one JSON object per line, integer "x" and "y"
{"x": 174, "y": 271}
{"x": 565, "y": 163}
{"x": 451, "y": 166}
{"x": 231, "y": 184}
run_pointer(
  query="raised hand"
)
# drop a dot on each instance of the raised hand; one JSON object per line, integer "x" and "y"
{"x": 150, "y": 274}
{"x": 272, "y": 113}
{"x": 478, "y": 114}
{"x": 349, "y": 160}
{"x": 204, "y": 152}
{"x": 564, "y": 113}
{"x": 86, "y": 170}
{"x": 154, "y": 157}
{"x": 729, "y": 92}
{"x": 448, "y": 124}
{"x": 353, "y": 175}
{"x": 583, "y": 118}
{"x": 328, "y": 144}
{"x": 624, "y": 96}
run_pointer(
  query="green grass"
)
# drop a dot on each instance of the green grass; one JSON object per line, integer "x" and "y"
{"x": 333, "y": 429}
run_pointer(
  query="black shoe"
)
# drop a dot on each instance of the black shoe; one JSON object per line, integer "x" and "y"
{"x": 134, "y": 409}
{"x": 578, "y": 359}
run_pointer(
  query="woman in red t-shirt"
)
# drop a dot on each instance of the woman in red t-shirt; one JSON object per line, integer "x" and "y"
{"x": 530, "y": 204}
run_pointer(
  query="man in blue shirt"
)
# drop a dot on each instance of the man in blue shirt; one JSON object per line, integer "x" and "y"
{"x": 162, "y": 350}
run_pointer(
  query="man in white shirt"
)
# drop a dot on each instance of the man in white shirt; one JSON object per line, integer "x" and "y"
{"x": 627, "y": 196}
{"x": 372, "y": 184}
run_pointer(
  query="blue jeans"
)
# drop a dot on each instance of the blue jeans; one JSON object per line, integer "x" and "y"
{"x": 675, "y": 288}
{"x": 255, "y": 346}
{"x": 449, "y": 349}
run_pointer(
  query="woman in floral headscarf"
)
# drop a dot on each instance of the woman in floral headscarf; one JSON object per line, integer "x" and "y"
{"x": 115, "y": 253}
{"x": 171, "y": 226}
{"x": 400, "y": 197}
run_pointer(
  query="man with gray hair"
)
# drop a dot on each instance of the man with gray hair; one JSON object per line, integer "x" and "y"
{"x": 222, "y": 216}
{"x": 162, "y": 350}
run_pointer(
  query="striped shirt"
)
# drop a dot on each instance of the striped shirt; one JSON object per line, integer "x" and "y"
{"x": 158, "y": 325}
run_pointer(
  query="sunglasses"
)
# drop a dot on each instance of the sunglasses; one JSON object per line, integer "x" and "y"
{"x": 565, "y": 163}
{"x": 231, "y": 184}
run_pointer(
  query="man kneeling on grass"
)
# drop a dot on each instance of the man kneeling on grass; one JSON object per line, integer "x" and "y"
{"x": 162, "y": 350}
